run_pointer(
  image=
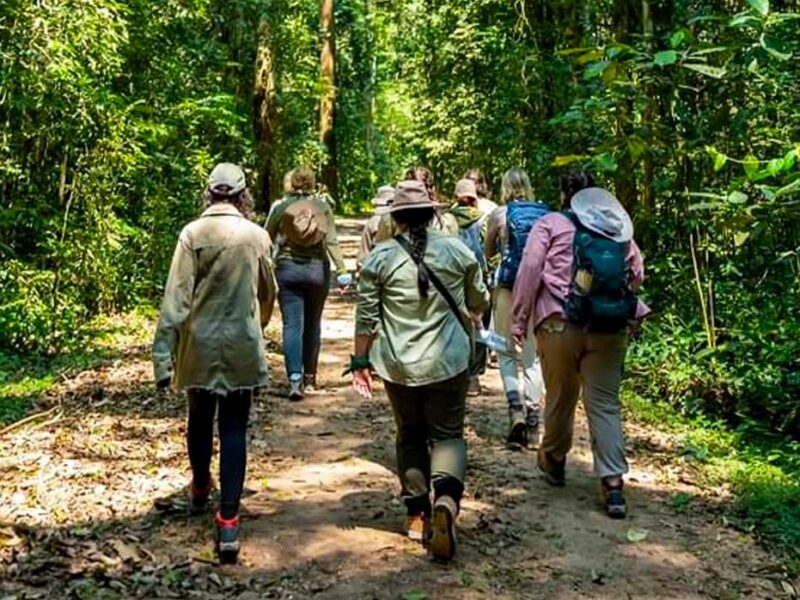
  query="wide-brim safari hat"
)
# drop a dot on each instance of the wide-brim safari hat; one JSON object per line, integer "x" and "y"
{"x": 412, "y": 194}
{"x": 598, "y": 210}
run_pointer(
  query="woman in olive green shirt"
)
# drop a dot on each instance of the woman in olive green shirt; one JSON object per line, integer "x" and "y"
{"x": 420, "y": 347}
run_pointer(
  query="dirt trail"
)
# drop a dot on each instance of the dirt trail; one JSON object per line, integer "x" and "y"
{"x": 322, "y": 517}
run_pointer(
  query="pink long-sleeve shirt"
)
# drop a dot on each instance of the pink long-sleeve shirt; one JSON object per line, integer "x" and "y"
{"x": 545, "y": 273}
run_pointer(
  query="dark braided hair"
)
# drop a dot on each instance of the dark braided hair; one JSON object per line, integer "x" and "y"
{"x": 573, "y": 182}
{"x": 417, "y": 220}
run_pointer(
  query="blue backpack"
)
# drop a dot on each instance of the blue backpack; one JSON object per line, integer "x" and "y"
{"x": 521, "y": 216}
{"x": 600, "y": 299}
{"x": 472, "y": 236}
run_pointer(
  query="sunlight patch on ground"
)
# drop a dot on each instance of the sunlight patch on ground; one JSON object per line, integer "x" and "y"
{"x": 337, "y": 329}
{"x": 329, "y": 474}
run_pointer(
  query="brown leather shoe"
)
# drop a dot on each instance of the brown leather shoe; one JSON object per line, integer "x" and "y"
{"x": 443, "y": 529}
{"x": 417, "y": 528}
{"x": 554, "y": 471}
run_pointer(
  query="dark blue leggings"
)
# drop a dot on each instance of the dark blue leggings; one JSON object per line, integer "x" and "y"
{"x": 303, "y": 288}
{"x": 234, "y": 410}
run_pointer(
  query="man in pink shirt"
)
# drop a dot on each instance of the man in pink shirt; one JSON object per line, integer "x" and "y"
{"x": 576, "y": 355}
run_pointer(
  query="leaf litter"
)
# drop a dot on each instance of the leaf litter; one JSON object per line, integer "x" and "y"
{"x": 92, "y": 506}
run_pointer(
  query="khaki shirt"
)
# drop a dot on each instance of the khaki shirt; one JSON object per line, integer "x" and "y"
{"x": 418, "y": 341}
{"x": 219, "y": 295}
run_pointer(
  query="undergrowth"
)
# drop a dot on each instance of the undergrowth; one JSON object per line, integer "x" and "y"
{"x": 25, "y": 378}
{"x": 760, "y": 466}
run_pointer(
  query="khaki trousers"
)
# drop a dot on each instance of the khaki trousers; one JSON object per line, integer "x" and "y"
{"x": 571, "y": 359}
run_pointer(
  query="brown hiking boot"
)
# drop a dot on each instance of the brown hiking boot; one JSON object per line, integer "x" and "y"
{"x": 198, "y": 497}
{"x": 474, "y": 388}
{"x": 310, "y": 381}
{"x": 417, "y": 527}
{"x": 443, "y": 529}
{"x": 554, "y": 471}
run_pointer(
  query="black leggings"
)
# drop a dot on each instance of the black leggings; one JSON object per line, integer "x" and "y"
{"x": 234, "y": 409}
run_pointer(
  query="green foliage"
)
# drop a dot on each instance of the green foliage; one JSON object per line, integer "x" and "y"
{"x": 112, "y": 113}
{"x": 762, "y": 469}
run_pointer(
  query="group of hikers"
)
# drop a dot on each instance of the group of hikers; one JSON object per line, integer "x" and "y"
{"x": 444, "y": 288}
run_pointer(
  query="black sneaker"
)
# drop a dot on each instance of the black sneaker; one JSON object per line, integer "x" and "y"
{"x": 614, "y": 497}
{"x": 226, "y": 541}
{"x": 517, "y": 434}
{"x": 554, "y": 472}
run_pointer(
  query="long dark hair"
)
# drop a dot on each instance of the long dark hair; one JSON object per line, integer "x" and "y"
{"x": 573, "y": 182}
{"x": 417, "y": 220}
{"x": 243, "y": 201}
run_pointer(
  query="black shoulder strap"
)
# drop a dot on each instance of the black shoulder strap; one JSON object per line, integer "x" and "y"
{"x": 573, "y": 217}
{"x": 437, "y": 283}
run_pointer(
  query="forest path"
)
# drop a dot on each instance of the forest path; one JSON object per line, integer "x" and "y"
{"x": 91, "y": 504}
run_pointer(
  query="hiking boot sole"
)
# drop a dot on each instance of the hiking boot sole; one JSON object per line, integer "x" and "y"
{"x": 616, "y": 507}
{"x": 228, "y": 556}
{"x": 617, "y": 512}
{"x": 443, "y": 535}
{"x": 228, "y": 552}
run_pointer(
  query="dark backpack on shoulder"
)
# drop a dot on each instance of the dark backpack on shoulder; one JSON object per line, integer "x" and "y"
{"x": 600, "y": 299}
{"x": 521, "y": 216}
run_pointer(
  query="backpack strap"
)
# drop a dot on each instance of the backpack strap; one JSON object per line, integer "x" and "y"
{"x": 437, "y": 283}
{"x": 573, "y": 218}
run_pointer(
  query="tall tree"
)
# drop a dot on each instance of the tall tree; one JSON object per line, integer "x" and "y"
{"x": 264, "y": 106}
{"x": 327, "y": 110}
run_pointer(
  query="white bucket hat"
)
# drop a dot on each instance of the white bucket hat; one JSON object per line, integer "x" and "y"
{"x": 226, "y": 179}
{"x": 599, "y": 211}
{"x": 384, "y": 197}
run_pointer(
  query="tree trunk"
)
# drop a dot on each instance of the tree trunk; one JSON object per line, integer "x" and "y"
{"x": 327, "y": 109}
{"x": 264, "y": 109}
{"x": 625, "y": 18}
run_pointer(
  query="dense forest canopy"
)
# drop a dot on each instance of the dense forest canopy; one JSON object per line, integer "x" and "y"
{"x": 113, "y": 112}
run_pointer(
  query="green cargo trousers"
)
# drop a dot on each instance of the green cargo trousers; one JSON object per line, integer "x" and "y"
{"x": 430, "y": 439}
{"x": 573, "y": 359}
